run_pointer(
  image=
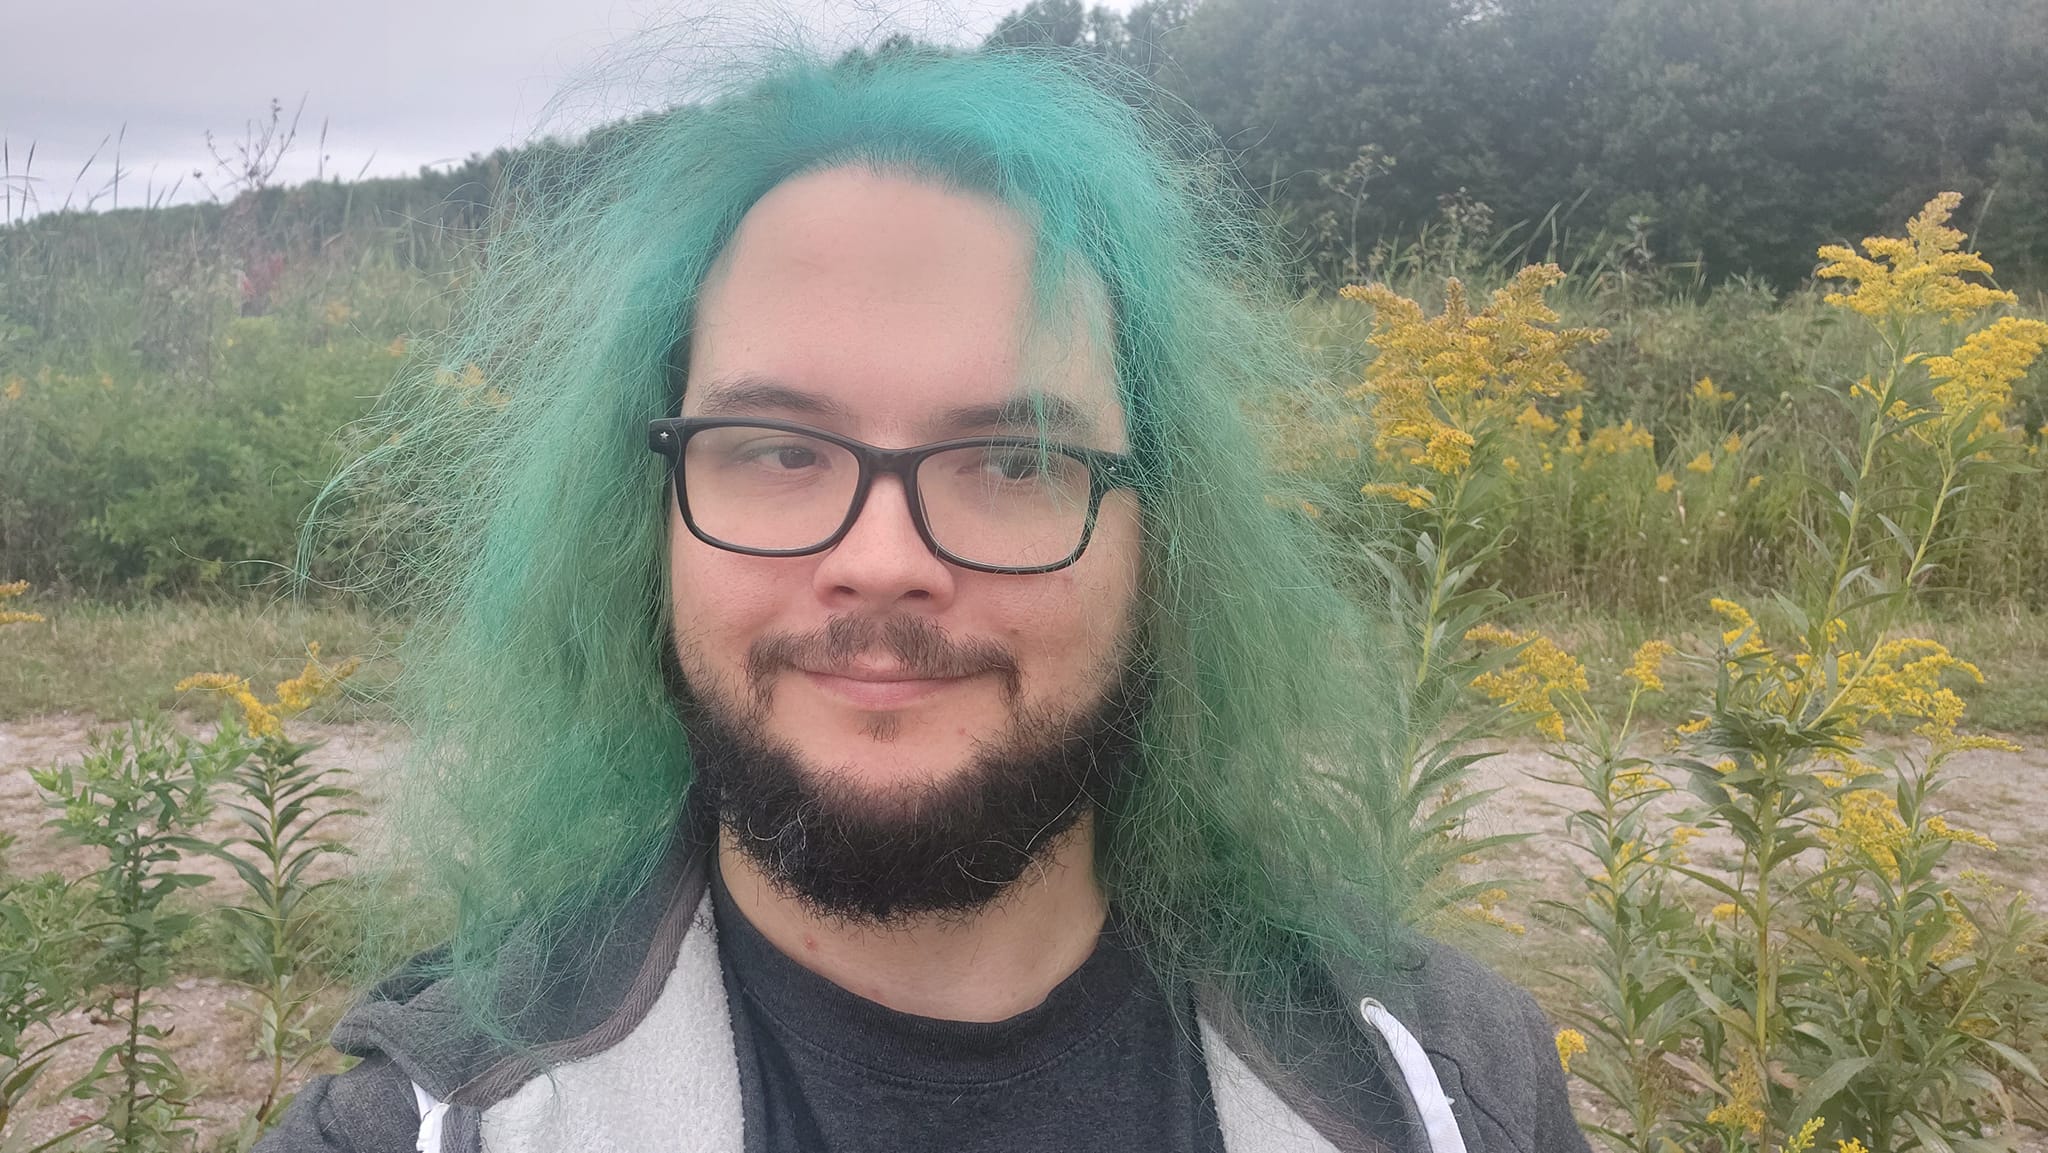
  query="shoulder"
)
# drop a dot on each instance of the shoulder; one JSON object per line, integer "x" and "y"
{"x": 1492, "y": 1047}
{"x": 369, "y": 1109}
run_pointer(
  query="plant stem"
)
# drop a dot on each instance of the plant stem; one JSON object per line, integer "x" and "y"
{"x": 1447, "y": 516}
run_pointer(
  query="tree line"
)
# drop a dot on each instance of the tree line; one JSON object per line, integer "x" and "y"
{"x": 1736, "y": 134}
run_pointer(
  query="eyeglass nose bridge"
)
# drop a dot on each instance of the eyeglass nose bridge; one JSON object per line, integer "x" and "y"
{"x": 901, "y": 463}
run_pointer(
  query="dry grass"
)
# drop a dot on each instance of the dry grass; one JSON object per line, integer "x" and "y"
{"x": 117, "y": 661}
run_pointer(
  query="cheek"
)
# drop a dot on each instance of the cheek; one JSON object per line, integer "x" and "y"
{"x": 1068, "y": 625}
{"x": 722, "y": 602}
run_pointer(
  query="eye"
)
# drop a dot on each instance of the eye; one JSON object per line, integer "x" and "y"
{"x": 1016, "y": 464}
{"x": 778, "y": 455}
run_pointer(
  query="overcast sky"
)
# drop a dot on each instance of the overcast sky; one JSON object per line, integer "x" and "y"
{"x": 397, "y": 84}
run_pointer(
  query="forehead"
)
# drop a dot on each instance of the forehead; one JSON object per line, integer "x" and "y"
{"x": 894, "y": 305}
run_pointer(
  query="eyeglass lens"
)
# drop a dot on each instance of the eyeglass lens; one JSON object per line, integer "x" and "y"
{"x": 775, "y": 490}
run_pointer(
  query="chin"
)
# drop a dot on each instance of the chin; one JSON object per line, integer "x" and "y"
{"x": 881, "y": 750}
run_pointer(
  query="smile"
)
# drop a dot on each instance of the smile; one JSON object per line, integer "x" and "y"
{"x": 876, "y": 690}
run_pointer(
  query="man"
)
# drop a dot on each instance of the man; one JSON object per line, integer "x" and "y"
{"x": 939, "y": 742}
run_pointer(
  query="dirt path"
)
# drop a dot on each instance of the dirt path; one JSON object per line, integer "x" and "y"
{"x": 1999, "y": 794}
{"x": 2002, "y": 795}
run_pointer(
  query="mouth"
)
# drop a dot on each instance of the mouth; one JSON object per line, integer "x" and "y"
{"x": 876, "y": 687}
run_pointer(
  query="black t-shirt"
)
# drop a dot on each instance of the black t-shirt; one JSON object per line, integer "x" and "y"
{"x": 1108, "y": 1062}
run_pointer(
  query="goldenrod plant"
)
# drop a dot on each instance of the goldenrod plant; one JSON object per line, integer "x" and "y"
{"x": 283, "y": 799}
{"x": 139, "y": 796}
{"x": 1854, "y": 980}
{"x": 1442, "y": 402}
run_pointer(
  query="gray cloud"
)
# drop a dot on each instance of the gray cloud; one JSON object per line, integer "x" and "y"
{"x": 397, "y": 84}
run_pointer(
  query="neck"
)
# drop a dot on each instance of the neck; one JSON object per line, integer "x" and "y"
{"x": 987, "y": 966}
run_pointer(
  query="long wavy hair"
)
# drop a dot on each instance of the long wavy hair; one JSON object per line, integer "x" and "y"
{"x": 548, "y": 770}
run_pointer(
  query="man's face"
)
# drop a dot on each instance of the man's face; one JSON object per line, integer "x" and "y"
{"x": 897, "y": 313}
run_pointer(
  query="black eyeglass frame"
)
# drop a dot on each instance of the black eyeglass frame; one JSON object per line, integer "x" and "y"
{"x": 1107, "y": 471}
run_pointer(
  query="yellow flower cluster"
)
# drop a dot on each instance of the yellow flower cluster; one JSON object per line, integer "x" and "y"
{"x": 257, "y": 717}
{"x": 293, "y": 696}
{"x": 16, "y": 616}
{"x": 1978, "y": 376}
{"x": 1638, "y": 779}
{"x": 1412, "y": 495}
{"x": 1616, "y": 439}
{"x": 1740, "y": 1110}
{"x": 1485, "y": 908}
{"x": 1570, "y": 1043}
{"x": 1648, "y": 665}
{"x": 1440, "y": 383}
{"x": 1531, "y": 419}
{"x": 1801, "y": 1141}
{"x": 1740, "y": 625}
{"x": 1940, "y": 827}
{"x": 1920, "y": 274}
{"x": 1706, "y": 392}
{"x": 1902, "y": 680}
{"x": 1529, "y": 685}
{"x": 313, "y": 682}
{"x": 1867, "y": 822}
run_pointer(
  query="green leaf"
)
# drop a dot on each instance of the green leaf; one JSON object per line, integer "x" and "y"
{"x": 2016, "y": 1059}
{"x": 1823, "y": 1088}
{"x": 1928, "y": 1134}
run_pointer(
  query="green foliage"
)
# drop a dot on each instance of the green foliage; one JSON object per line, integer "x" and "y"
{"x": 138, "y": 796}
{"x": 1738, "y": 134}
{"x": 41, "y": 935}
{"x": 119, "y": 477}
{"x": 284, "y": 799}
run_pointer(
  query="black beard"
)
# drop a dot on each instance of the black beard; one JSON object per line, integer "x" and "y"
{"x": 948, "y": 847}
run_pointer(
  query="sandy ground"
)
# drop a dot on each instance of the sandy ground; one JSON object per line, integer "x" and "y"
{"x": 213, "y": 1041}
{"x": 1996, "y": 793}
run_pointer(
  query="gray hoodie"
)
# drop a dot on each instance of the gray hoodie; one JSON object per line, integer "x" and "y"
{"x": 632, "y": 1050}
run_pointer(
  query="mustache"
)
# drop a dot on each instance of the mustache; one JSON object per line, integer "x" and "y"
{"x": 922, "y": 648}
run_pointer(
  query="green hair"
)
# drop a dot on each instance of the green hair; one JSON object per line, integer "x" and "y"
{"x": 549, "y": 770}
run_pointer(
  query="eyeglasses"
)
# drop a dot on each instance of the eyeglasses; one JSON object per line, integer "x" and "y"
{"x": 996, "y": 504}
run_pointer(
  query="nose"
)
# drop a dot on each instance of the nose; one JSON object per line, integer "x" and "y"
{"x": 882, "y": 562}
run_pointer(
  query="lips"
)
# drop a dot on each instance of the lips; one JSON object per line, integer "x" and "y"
{"x": 873, "y": 687}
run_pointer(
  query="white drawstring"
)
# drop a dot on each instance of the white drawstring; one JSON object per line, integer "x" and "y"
{"x": 431, "y": 1112}
{"x": 1420, "y": 1076}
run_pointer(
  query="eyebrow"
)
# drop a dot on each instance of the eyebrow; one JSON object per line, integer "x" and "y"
{"x": 746, "y": 393}
{"x": 1057, "y": 415}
